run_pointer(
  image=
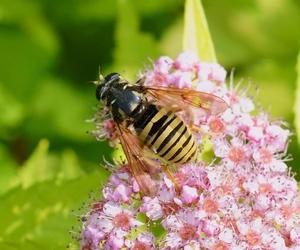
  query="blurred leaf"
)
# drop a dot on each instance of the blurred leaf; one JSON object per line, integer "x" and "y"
{"x": 11, "y": 110}
{"x": 272, "y": 77}
{"x": 41, "y": 216}
{"x": 42, "y": 166}
{"x": 106, "y": 9}
{"x": 8, "y": 169}
{"x": 42, "y": 33}
{"x": 154, "y": 7}
{"x": 133, "y": 48}
{"x": 297, "y": 102}
{"x": 252, "y": 30}
{"x": 28, "y": 45}
{"x": 28, "y": 16}
{"x": 229, "y": 48}
{"x": 269, "y": 23}
{"x": 70, "y": 168}
{"x": 196, "y": 35}
{"x": 22, "y": 63}
{"x": 58, "y": 109}
{"x": 170, "y": 43}
{"x": 37, "y": 168}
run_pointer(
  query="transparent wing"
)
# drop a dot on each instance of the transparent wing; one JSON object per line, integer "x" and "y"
{"x": 181, "y": 98}
{"x": 139, "y": 167}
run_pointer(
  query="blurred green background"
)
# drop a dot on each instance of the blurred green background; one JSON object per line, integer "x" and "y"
{"x": 49, "y": 50}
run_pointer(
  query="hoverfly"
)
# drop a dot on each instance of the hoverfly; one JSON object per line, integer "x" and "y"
{"x": 146, "y": 115}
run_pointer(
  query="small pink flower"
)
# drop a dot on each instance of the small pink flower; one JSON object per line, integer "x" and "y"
{"x": 245, "y": 122}
{"x": 152, "y": 208}
{"x": 265, "y": 188}
{"x": 262, "y": 202}
{"x": 189, "y": 194}
{"x": 237, "y": 154}
{"x": 220, "y": 246}
{"x": 182, "y": 230}
{"x": 180, "y": 79}
{"x": 159, "y": 79}
{"x": 216, "y": 125}
{"x": 121, "y": 193}
{"x": 226, "y": 235}
{"x": 253, "y": 238}
{"x": 140, "y": 246}
{"x": 144, "y": 241}
{"x": 210, "y": 227}
{"x": 163, "y": 65}
{"x": 210, "y": 206}
{"x": 278, "y": 166}
{"x": 218, "y": 73}
{"x": 203, "y": 72}
{"x": 187, "y": 232}
{"x": 295, "y": 235}
{"x": 115, "y": 240}
{"x": 186, "y": 61}
{"x": 264, "y": 156}
{"x": 277, "y": 137}
{"x": 246, "y": 104}
{"x": 255, "y": 134}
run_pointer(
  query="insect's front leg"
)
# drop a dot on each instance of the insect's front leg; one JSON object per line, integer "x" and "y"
{"x": 141, "y": 80}
{"x": 117, "y": 117}
{"x": 166, "y": 170}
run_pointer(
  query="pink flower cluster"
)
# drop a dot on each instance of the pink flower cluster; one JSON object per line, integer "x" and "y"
{"x": 243, "y": 198}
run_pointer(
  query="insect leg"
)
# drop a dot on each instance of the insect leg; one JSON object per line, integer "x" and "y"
{"x": 117, "y": 117}
{"x": 166, "y": 170}
{"x": 141, "y": 80}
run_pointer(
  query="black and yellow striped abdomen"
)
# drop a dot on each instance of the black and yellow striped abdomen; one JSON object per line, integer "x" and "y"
{"x": 166, "y": 134}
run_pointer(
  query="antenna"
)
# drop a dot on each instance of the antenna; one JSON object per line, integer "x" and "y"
{"x": 101, "y": 77}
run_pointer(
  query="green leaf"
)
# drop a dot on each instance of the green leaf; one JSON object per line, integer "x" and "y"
{"x": 37, "y": 167}
{"x": 28, "y": 47}
{"x": 142, "y": 217}
{"x": 133, "y": 47}
{"x": 42, "y": 166}
{"x": 135, "y": 231}
{"x": 8, "y": 169}
{"x": 297, "y": 104}
{"x": 170, "y": 42}
{"x": 157, "y": 230}
{"x": 118, "y": 153}
{"x": 196, "y": 35}
{"x": 12, "y": 111}
{"x": 29, "y": 17}
{"x": 56, "y": 105}
{"x": 41, "y": 216}
{"x": 206, "y": 152}
{"x": 276, "y": 78}
{"x": 70, "y": 167}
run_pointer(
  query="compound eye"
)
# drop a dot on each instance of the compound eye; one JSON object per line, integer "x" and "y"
{"x": 112, "y": 77}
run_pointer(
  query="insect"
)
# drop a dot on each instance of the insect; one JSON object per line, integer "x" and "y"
{"x": 146, "y": 115}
